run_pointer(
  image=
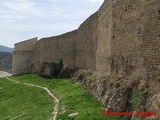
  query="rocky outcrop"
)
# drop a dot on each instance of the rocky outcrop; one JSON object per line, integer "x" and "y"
{"x": 67, "y": 72}
{"x": 53, "y": 70}
{"x": 120, "y": 93}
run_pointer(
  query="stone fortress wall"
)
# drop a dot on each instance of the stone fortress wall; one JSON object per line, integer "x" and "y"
{"x": 54, "y": 50}
{"x": 135, "y": 41}
{"x": 121, "y": 38}
{"x": 104, "y": 37}
{"x": 117, "y": 52}
{"x": 22, "y": 57}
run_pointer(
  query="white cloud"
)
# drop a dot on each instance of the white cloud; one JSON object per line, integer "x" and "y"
{"x": 23, "y": 6}
{"x": 24, "y": 19}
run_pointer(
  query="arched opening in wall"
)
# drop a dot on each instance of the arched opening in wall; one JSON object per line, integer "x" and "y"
{"x": 28, "y": 61}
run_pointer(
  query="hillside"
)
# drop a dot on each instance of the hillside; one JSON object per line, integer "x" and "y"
{"x": 5, "y": 61}
{"x": 35, "y": 104}
{"x": 5, "y": 49}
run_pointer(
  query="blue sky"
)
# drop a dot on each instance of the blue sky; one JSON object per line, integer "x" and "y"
{"x": 25, "y": 19}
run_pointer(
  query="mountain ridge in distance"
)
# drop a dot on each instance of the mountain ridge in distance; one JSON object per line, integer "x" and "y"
{"x": 6, "y": 49}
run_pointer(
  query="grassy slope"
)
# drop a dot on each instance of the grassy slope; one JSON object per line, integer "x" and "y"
{"x": 72, "y": 98}
{"x": 23, "y": 102}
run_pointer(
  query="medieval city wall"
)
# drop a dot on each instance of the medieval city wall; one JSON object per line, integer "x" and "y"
{"x": 117, "y": 51}
{"x": 76, "y": 48}
{"x": 127, "y": 36}
{"x": 26, "y": 45}
{"x": 86, "y": 43}
{"x": 54, "y": 50}
{"x": 134, "y": 39}
{"x": 22, "y": 57}
{"x": 151, "y": 47}
{"x": 21, "y": 62}
{"x": 121, "y": 38}
{"x": 104, "y": 34}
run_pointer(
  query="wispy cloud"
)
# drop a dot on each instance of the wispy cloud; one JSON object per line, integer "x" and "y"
{"x": 23, "y": 6}
{"x": 22, "y": 19}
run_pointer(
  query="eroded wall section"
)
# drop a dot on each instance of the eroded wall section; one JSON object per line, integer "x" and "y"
{"x": 54, "y": 52}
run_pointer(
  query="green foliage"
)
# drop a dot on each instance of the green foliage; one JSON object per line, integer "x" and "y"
{"x": 93, "y": 77}
{"x": 125, "y": 118}
{"x": 137, "y": 98}
{"x": 5, "y": 61}
{"x": 20, "y": 102}
{"x": 32, "y": 103}
{"x": 73, "y": 99}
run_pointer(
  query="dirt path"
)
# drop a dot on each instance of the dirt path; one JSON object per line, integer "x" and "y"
{"x": 56, "y": 100}
{"x": 4, "y": 74}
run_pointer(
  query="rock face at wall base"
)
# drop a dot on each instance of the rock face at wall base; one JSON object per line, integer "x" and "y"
{"x": 121, "y": 93}
{"x": 67, "y": 72}
{"x": 53, "y": 70}
{"x": 50, "y": 69}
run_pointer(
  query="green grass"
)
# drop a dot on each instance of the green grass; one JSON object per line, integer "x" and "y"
{"x": 21, "y": 102}
{"x": 73, "y": 99}
{"x": 137, "y": 98}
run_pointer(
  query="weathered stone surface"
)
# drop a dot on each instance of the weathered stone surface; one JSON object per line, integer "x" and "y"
{"x": 23, "y": 56}
{"x": 119, "y": 93}
{"x": 67, "y": 72}
{"x": 46, "y": 69}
